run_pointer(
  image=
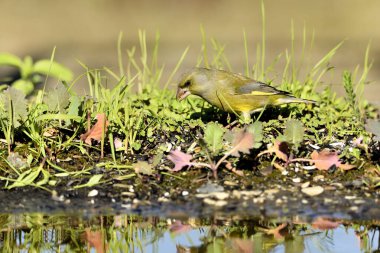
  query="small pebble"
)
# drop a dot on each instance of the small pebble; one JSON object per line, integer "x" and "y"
{"x": 185, "y": 193}
{"x": 354, "y": 208}
{"x": 166, "y": 194}
{"x": 296, "y": 180}
{"x": 318, "y": 178}
{"x": 311, "y": 167}
{"x": 312, "y": 191}
{"x": 92, "y": 193}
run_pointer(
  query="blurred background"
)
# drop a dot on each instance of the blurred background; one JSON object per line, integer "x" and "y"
{"x": 87, "y": 30}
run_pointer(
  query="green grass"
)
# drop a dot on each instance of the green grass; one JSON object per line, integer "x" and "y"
{"x": 40, "y": 133}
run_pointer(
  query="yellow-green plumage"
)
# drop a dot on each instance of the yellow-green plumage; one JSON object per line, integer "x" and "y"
{"x": 232, "y": 92}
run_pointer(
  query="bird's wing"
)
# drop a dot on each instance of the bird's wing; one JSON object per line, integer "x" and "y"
{"x": 256, "y": 88}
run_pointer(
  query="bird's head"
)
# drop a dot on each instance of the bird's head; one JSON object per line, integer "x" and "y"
{"x": 194, "y": 82}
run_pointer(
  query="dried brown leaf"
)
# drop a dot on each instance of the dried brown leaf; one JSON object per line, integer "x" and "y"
{"x": 180, "y": 159}
{"x": 324, "y": 223}
{"x": 242, "y": 142}
{"x": 281, "y": 149}
{"x": 178, "y": 227}
{"x": 279, "y": 232}
{"x": 242, "y": 245}
{"x": 325, "y": 159}
{"x": 97, "y": 130}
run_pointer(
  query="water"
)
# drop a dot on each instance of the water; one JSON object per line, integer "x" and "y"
{"x": 133, "y": 233}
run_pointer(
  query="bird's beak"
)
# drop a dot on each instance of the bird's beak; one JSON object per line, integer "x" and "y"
{"x": 182, "y": 94}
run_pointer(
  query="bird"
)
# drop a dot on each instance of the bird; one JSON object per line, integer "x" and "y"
{"x": 232, "y": 92}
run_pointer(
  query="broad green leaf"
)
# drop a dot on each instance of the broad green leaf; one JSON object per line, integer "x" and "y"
{"x": 27, "y": 67}
{"x": 13, "y": 99}
{"x": 54, "y": 69}
{"x": 142, "y": 167}
{"x": 373, "y": 126}
{"x": 7, "y": 59}
{"x": 294, "y": 132}
{"x": 57, "y": 99}
{"x": 26, "y": 86}
{"x": 214, "y": 137}
{"x": 73, "y": 109}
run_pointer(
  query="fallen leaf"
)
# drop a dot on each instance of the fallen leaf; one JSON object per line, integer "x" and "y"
{"x": 95, "y": 239}
{"x": 118, "y": 143}
{"x": 179, "y": 159}
{"x": 97, "y": 130}
{"x": 178, "y": 227}
{"x": 325, "y": 159}
{"x": 242, "y": 142}
{"x": 279, "y": 232}
{"x": 242, "y": 245}
{"x": 324, "y": 223}
{"x": 280, "y": 148}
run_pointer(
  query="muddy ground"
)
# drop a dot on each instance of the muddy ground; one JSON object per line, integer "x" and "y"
{"x": 277, "y": 195}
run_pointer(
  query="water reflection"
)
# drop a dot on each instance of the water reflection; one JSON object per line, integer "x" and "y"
{"x": 131, "y": 233}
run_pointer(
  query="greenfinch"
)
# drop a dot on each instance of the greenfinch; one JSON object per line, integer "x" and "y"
{"x": 232, "y": 92}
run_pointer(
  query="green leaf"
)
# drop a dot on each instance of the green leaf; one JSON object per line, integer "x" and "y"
{"x": 373, "y": 126}
{"x": 7, "y": 59}
{"x": 26, "y": 86}
{"x": 94, "y": 180}
{"x": 26, "y": 178}
{"x": 294, "y": 132}
{"x": 142, "y": 167}
{"x": 13, "y": 99}
{"x": 73, "y": 109}
{"x": 54, "y": 69}
{"x": 214, "y": 137}
{"x": 256, "y": 129}
{"x": 57, "y": 99}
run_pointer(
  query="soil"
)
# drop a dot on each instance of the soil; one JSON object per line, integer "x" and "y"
{"x": 276, "y": 195}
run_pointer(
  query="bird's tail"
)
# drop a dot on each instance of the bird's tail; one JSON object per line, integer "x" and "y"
{"x": 287, "y": 100}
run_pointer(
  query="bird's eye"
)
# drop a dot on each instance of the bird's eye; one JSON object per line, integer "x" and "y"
{"x": 187, "y": 83}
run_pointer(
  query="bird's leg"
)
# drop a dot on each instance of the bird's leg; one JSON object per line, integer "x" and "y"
{"x": 246, "y": 117}
{"x": 233, "y": 123}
